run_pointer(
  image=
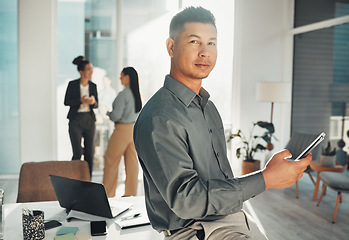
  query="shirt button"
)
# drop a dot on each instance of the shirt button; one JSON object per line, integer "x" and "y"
{"x": 217, "y": 154}
{"x": 210, "y": 130}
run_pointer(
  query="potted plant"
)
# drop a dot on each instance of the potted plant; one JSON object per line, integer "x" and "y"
{"x": 252, "y": 144}
{"x": 328, "y": 156}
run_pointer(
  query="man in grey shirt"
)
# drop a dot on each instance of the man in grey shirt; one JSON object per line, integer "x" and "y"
{"x": 190, "y": 189}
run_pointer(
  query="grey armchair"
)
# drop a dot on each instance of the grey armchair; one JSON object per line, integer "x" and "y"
{"x": 339, "y": 182}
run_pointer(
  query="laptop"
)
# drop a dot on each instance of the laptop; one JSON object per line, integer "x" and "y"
{"x": 87, "y": 197}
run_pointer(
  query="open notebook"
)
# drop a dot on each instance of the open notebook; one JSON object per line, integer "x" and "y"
{"x": 80, "y": 197}
{"x": 133, "y": 218}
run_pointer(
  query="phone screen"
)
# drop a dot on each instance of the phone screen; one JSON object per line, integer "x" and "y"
{"x": 312, "y": 146}
{"x": 52, "y": 224}
{"x": 98, "y": 228}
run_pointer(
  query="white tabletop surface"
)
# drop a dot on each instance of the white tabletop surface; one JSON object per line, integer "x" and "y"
{"x": 52, "y": 211}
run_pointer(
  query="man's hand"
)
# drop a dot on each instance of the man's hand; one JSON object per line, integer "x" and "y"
{"x": 282, "y": 173}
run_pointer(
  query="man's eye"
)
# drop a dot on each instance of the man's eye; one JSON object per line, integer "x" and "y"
{"x": 193, "y": 41}
{"x": 212, "y": 44}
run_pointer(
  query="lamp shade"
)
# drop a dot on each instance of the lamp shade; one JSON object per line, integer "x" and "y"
{"x": 273, "y": 92}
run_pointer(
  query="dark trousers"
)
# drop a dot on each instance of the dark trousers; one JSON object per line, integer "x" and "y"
{"x": 83, "y": 126}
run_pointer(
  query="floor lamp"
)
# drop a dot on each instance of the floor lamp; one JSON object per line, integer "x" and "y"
{"x": 273, "y": 92}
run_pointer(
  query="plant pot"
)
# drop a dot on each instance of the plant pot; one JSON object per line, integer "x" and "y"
{"x": 328, "y": 161}
{"x": 248, "y": 167}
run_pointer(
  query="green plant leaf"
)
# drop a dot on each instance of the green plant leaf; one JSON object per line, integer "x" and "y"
{"x": 328, "y": 151}
{"x": 260, "y": 147}
{"x": 266, "y": 137}
{"x": 251, "y": 145}
{"x": 267, "y": 125}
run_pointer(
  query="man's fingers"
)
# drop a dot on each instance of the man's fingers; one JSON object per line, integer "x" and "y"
{"x": 303, "y": 163}
{"x": 285, "y": 154}
{"x": 307, "y": 159}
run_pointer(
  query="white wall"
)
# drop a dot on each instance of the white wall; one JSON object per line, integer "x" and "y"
{"x": 37, "y": 79}
{"x": 263, "y": 52}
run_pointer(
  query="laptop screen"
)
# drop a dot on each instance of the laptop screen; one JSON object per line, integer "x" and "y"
{"x": 88, "y": 197}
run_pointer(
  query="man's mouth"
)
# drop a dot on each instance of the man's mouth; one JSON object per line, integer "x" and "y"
{"x": 202, "y": 65}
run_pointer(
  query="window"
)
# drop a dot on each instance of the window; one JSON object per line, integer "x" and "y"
{"x": 89, "y": 28}
{"x": 9, "y": 138}
{"x": 321, "y": 59}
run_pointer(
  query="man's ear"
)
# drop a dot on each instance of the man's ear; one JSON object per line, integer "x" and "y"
{"x": 170, "y": 46}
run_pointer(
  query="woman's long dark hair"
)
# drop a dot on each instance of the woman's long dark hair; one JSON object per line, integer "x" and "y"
{"x": 134, "y": 85}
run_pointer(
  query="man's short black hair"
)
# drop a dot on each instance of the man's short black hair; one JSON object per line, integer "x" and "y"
{"x": 189, "y": 15}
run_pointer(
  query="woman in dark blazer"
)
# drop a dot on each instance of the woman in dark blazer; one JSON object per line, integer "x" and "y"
{"x": 81, "y": 96}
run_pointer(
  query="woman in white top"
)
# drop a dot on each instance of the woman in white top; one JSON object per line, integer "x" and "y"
{"x": 126, "y": 107}
{"x": 81, "y": 96}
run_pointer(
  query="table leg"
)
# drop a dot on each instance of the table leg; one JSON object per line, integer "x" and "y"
{"x": 317, "y": 184}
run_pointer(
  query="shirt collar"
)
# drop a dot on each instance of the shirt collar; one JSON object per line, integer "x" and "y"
{"x": 185, "y": 94}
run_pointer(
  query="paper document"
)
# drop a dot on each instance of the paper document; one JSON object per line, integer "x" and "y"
{"x": 117, "y": 207}
{"x": 73, "y": 214}
{"x": 133, "y": 218}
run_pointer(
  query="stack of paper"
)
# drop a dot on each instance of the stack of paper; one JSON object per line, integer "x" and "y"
{"x": 83, "y": 216}
{"x": 133, "y": 218}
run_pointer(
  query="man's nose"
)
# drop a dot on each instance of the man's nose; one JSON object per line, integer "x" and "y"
{"x": 204, "y": 52}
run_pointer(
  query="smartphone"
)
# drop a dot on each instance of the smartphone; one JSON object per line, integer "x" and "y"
{"x": 312, "y": 146}
{"x": 52, "y": 224}
{"x": 98, "y": 228}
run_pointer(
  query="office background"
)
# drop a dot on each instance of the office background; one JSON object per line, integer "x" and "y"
{"x": 258, "y": 41}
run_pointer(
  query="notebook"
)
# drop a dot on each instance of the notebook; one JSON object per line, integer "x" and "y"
{"x": 87, "y": 197}
{"x": 133, "y": 218}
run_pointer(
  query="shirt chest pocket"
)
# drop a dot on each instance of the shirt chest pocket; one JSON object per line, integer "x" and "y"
{"x": 218, "y": 140}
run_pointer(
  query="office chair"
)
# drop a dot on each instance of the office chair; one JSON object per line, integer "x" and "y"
{"x": 34, "y": 184}
{"x": 296, "y": 145}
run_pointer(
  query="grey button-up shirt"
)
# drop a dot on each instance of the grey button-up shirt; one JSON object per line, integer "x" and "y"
{"x": 180, "y": 142}
{"x": 124, "y": 107}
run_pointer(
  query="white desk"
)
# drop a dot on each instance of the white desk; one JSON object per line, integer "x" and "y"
{"x": 52, "y": 211}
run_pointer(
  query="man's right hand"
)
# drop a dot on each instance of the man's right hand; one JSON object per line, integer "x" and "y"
{"x": 282, "y": 173}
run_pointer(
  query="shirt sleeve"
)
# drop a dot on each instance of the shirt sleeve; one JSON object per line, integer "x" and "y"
{"x": 69, "y": 99}
{"x": 118, "y": 107}
{"x": 162, "y": 146}
{"x": 95, "y": 94}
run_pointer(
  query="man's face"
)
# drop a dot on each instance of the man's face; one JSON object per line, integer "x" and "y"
{"x": 194, "y": 51}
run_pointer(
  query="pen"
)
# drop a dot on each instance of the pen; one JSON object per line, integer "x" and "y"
{"x": 130, "y": 217}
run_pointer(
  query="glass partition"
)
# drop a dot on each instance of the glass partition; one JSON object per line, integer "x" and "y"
{"x": 9, "y": 124}
{"x": 321, "y": 79}
{"x": 312, "y": 11}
